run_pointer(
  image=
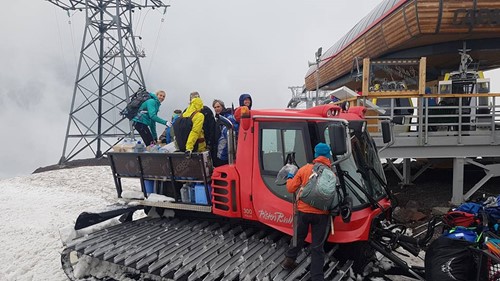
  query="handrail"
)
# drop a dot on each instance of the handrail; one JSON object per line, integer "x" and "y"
{"x": 425, "y": 122}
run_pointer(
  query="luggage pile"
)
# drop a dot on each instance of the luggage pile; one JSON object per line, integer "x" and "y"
{"x": 137, "y": 146}
{"x": 469, "y": 248}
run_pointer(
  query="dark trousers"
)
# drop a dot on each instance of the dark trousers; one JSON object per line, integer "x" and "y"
{"x": 145, "y": 133}
{"x": 319, "y": 228}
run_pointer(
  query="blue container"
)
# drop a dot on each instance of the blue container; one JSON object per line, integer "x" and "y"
{"x": 150, "y": 186}
{"x": 200, "y": 193}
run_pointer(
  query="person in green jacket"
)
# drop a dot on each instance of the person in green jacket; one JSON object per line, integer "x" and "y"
{"x": 147, "y": 117}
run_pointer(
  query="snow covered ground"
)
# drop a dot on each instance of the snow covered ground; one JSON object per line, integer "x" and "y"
{"x": 34, "y": 211}
{"x": 39, "y": 210}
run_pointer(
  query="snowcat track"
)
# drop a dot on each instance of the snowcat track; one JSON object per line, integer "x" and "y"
{"x": 175, "y": 249}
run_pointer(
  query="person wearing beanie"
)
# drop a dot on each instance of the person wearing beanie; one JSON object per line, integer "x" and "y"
{"x": 309, "y": 216}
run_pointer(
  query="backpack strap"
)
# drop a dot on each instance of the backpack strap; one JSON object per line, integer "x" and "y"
{"x": 193, "y": 114}
{"x": 313, "y": 172}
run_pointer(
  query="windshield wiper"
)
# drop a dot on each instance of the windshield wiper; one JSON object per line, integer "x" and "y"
{"x": 372, "y": 200}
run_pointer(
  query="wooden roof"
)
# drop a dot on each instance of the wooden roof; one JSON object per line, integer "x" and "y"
{"x": 410, "y": 29}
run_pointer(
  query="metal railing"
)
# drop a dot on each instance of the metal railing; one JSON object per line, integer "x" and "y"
{"x": 460, "y": 118}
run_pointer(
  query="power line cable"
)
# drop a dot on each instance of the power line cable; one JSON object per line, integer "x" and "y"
{"x": 72, "y": 39}
{"x": 156, "y": 42}
{"x": 60, "y": 41}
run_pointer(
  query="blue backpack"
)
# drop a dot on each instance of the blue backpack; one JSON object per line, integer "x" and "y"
{"x": 321, "y": 190}
{"x": 463, "y": 233}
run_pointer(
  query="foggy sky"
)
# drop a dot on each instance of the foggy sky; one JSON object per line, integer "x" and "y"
{"x": 219, "y": 48}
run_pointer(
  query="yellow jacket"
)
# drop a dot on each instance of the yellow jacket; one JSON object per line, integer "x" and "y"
{"x": 196, "y": 134}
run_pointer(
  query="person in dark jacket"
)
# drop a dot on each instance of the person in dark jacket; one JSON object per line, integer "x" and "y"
{"x": 246, "y": 100}
{"x": 220, "y": 156}
{"x": 147, "y": 117}
{"x": 319, "y": 220}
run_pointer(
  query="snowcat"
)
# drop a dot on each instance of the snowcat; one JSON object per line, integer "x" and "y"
{"x": 240, "y": 222}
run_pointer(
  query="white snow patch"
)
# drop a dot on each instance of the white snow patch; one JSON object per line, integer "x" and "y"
{"x": 132, "y": 194}
{"x": 153, "y": 197}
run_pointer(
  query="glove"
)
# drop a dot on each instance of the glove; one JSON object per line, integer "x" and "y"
{"x": 188, "y": 154}
{"x": 168, "y": 124}
{"x": 290, "y": 176}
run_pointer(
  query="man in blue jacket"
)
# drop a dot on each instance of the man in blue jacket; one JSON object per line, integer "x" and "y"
{"x": 147, "y": 117}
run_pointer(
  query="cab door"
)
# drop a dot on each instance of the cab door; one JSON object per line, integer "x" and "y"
{"x": 272, "y": 203}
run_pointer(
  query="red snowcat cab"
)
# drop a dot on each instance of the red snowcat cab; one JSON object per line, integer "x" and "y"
{"x": 238, "y": 222}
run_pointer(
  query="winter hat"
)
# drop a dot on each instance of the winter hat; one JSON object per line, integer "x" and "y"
{"x": 322, "y": 149}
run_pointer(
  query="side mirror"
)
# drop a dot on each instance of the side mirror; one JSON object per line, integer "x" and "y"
{"x": 338, "y": 139}
{"x": 386, "y": 131}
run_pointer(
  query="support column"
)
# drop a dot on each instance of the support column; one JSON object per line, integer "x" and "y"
{"x": 458, "y": 181}
{"x": 406, "y": 171}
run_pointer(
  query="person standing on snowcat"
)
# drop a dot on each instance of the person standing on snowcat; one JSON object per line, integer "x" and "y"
{"x": 309, "y": 216}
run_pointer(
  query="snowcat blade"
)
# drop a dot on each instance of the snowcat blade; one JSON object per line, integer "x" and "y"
{"x": 87, "y": 219}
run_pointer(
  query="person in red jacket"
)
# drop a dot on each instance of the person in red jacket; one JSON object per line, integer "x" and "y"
{"x": 309, "y": 216}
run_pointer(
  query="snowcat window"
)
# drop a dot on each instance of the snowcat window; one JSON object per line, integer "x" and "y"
{"x": 276, "y": 141}
{"x": 361, "y": 167}
{"x": 376, "y": 165}
{"x": 349, "y": 167}
{"x": 364, "y": 156}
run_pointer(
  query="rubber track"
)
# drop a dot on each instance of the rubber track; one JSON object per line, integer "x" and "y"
{"x": 197, "y": 250}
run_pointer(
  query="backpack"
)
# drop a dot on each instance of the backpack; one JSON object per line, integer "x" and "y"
{"x": 132, "y": 108}
{"x": 449, "y": 260}
{"x": 462, "y": 233}
{"x": 182, "y": 127}
{"x": 460, "y": 218}
{"x": 321, "y": 190}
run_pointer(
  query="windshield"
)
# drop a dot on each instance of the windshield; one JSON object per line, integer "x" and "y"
{"x": 348, "y": 172}
{"x": 368, "y": 162}
{"x": 363, "y": 170}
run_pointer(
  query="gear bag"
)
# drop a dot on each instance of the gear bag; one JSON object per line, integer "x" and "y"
{"x": 460, "y": 218}
{"x": 182, "y": 127}
{"x": 449, "y": 259}
{"x": 321, "y": 190}
{"x": 132, "y": 108}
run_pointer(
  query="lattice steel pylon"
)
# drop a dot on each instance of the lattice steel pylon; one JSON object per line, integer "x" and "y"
{"x": 108, "y": 73}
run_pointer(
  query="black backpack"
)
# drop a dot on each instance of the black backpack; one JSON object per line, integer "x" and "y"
{"x": 449, "y": 260}
{"x": 182, "y": 127}
{"x": 132, "y": 108}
